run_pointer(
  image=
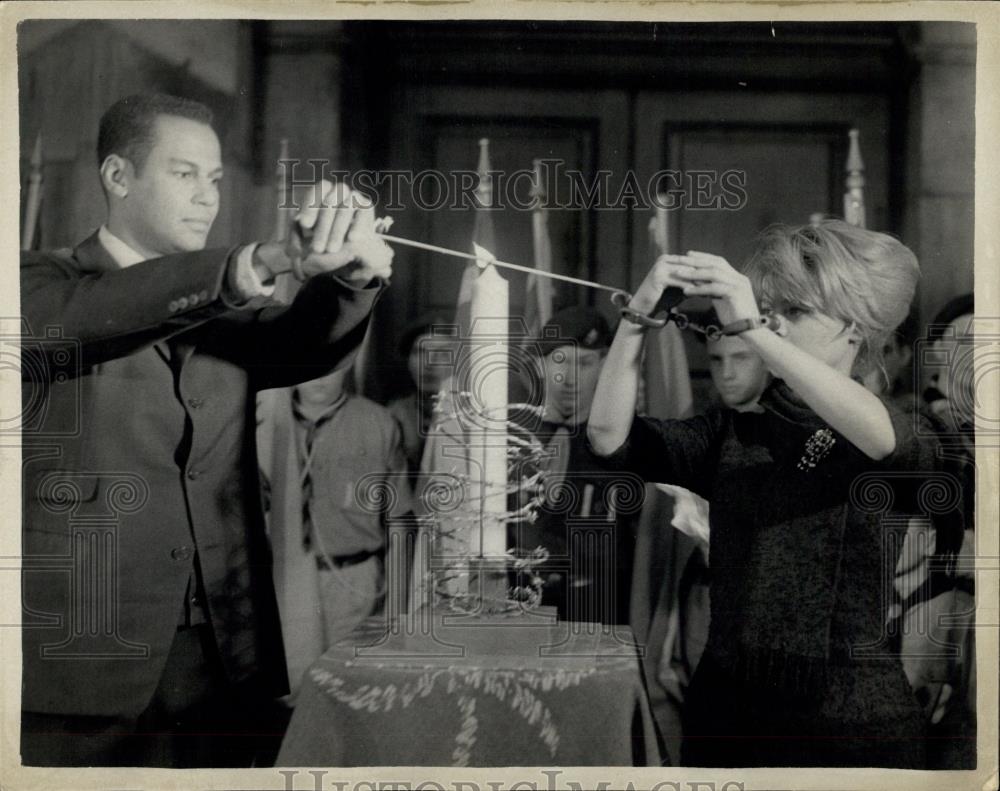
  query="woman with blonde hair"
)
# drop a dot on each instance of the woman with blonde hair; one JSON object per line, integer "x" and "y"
{"x": 796, "y": 671}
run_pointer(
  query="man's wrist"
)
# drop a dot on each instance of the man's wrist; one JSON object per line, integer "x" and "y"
{"x": 262, "y": 271}
{"x": 268, "y": 260}
{"x": 244, "y": 280}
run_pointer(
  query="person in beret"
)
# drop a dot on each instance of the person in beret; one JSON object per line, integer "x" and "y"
{"x": 588, "y": 573}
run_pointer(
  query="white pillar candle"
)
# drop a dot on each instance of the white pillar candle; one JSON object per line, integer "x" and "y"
{"x": 488, "y": 385}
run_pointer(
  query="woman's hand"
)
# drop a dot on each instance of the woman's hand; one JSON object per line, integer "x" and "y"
{"x": 706, "y": 275}
{"x": 662, "y": 275}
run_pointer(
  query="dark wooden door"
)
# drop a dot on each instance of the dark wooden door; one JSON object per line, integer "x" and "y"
{"x": 436, "y": 130}
{"x": 788, "y": 149}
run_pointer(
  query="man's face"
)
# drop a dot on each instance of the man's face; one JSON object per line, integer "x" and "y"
{"x": 172, "y": 202}
{"x": 431, "y": 361}
{"x": 739, "y": 374}
{"x": 571, "y": 375}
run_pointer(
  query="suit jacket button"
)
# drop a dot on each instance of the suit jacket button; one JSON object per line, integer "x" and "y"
{"x": 196, "y": 403}
{"x": 172, "y": 306}
{"x": 182, "y": 303}
{"x": 181, "y": 553}
{"x": 192, "y": 474}
{"x": 193, "y": 299}
{"x": 202, "y": 295}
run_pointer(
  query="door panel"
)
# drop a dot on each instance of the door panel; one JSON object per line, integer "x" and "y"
{"x": 437, "y": 128}
{"x": 587, "y": 130}
{"x": 756, "y": 175}
{"x": 455, "y": 147}
{"x": 791, "y": 146}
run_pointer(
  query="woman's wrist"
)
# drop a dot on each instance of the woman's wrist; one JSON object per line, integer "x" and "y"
{"x": 761, "y": 338}
{"x": 645, "y": 299}
{"x": 763, "y": 321}
{"x": 629, "y": 328}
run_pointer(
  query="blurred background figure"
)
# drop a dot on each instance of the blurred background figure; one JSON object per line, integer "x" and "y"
{"x": 895, "y": 378}
{"x": 947, "y": 373}
{"x": 347, "y": 445}
{"x": 738, "y": 373}
{"x": 429, "y": 360}
{"x": 933, "y": 619}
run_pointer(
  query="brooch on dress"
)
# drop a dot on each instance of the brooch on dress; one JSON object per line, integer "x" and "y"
{"x": 817, "y": 446}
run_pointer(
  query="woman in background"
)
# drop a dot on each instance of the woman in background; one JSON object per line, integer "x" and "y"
{"x": 796, "y": 671}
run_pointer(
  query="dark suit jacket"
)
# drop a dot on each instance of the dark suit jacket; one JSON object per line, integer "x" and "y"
{"x": 139, "y": 464}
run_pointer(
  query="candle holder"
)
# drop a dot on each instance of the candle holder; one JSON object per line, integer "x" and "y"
{"x": 460, "y": 572}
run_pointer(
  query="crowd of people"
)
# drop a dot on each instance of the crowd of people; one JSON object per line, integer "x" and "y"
{"x": 793, "y": 653}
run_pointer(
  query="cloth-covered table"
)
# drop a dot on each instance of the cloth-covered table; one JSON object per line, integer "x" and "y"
{"x": 499, "y": 693}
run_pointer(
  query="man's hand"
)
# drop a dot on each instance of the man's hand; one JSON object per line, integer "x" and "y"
{"x": 334, "y": 231}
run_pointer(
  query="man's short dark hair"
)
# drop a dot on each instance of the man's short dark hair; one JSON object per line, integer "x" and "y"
{"x": 127, "y": 128}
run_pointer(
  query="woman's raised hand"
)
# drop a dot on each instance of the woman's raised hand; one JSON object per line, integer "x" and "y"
{"x": 706, "y": 275}
{"x": 661, "y": 276}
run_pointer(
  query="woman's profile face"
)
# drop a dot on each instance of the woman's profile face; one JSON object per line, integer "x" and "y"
{"x": 822, "y": 336}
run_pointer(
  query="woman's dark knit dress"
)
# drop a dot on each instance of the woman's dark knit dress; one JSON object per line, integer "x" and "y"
{"x": 796, "y": 671}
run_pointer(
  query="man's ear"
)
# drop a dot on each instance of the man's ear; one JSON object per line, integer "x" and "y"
{"x": 854, "y": 335}
{"x": 115, "y": 174}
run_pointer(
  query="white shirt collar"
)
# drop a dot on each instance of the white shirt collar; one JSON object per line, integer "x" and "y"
{"x": 123, "y": 255}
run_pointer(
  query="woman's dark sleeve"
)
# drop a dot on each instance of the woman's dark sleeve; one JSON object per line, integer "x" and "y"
{"x": 680, "y": 452}
{"x": 917, "y": 443}
{"x": 913, "y": 471}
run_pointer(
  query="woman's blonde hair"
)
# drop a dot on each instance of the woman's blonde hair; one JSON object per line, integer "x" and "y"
{"x": 860, "y": 277}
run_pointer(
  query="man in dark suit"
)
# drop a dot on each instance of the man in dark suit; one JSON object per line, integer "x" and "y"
{"x": 151, "y": 633}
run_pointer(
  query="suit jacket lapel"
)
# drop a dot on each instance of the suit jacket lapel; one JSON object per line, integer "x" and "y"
{"x": 91, "y": 255}
{"x": 180, "y": 352}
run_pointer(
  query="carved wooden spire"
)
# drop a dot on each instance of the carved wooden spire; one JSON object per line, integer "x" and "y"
{"x": 854, "y": 196}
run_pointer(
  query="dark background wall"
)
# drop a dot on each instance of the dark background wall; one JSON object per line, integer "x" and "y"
{"x": 774, "y": 103}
